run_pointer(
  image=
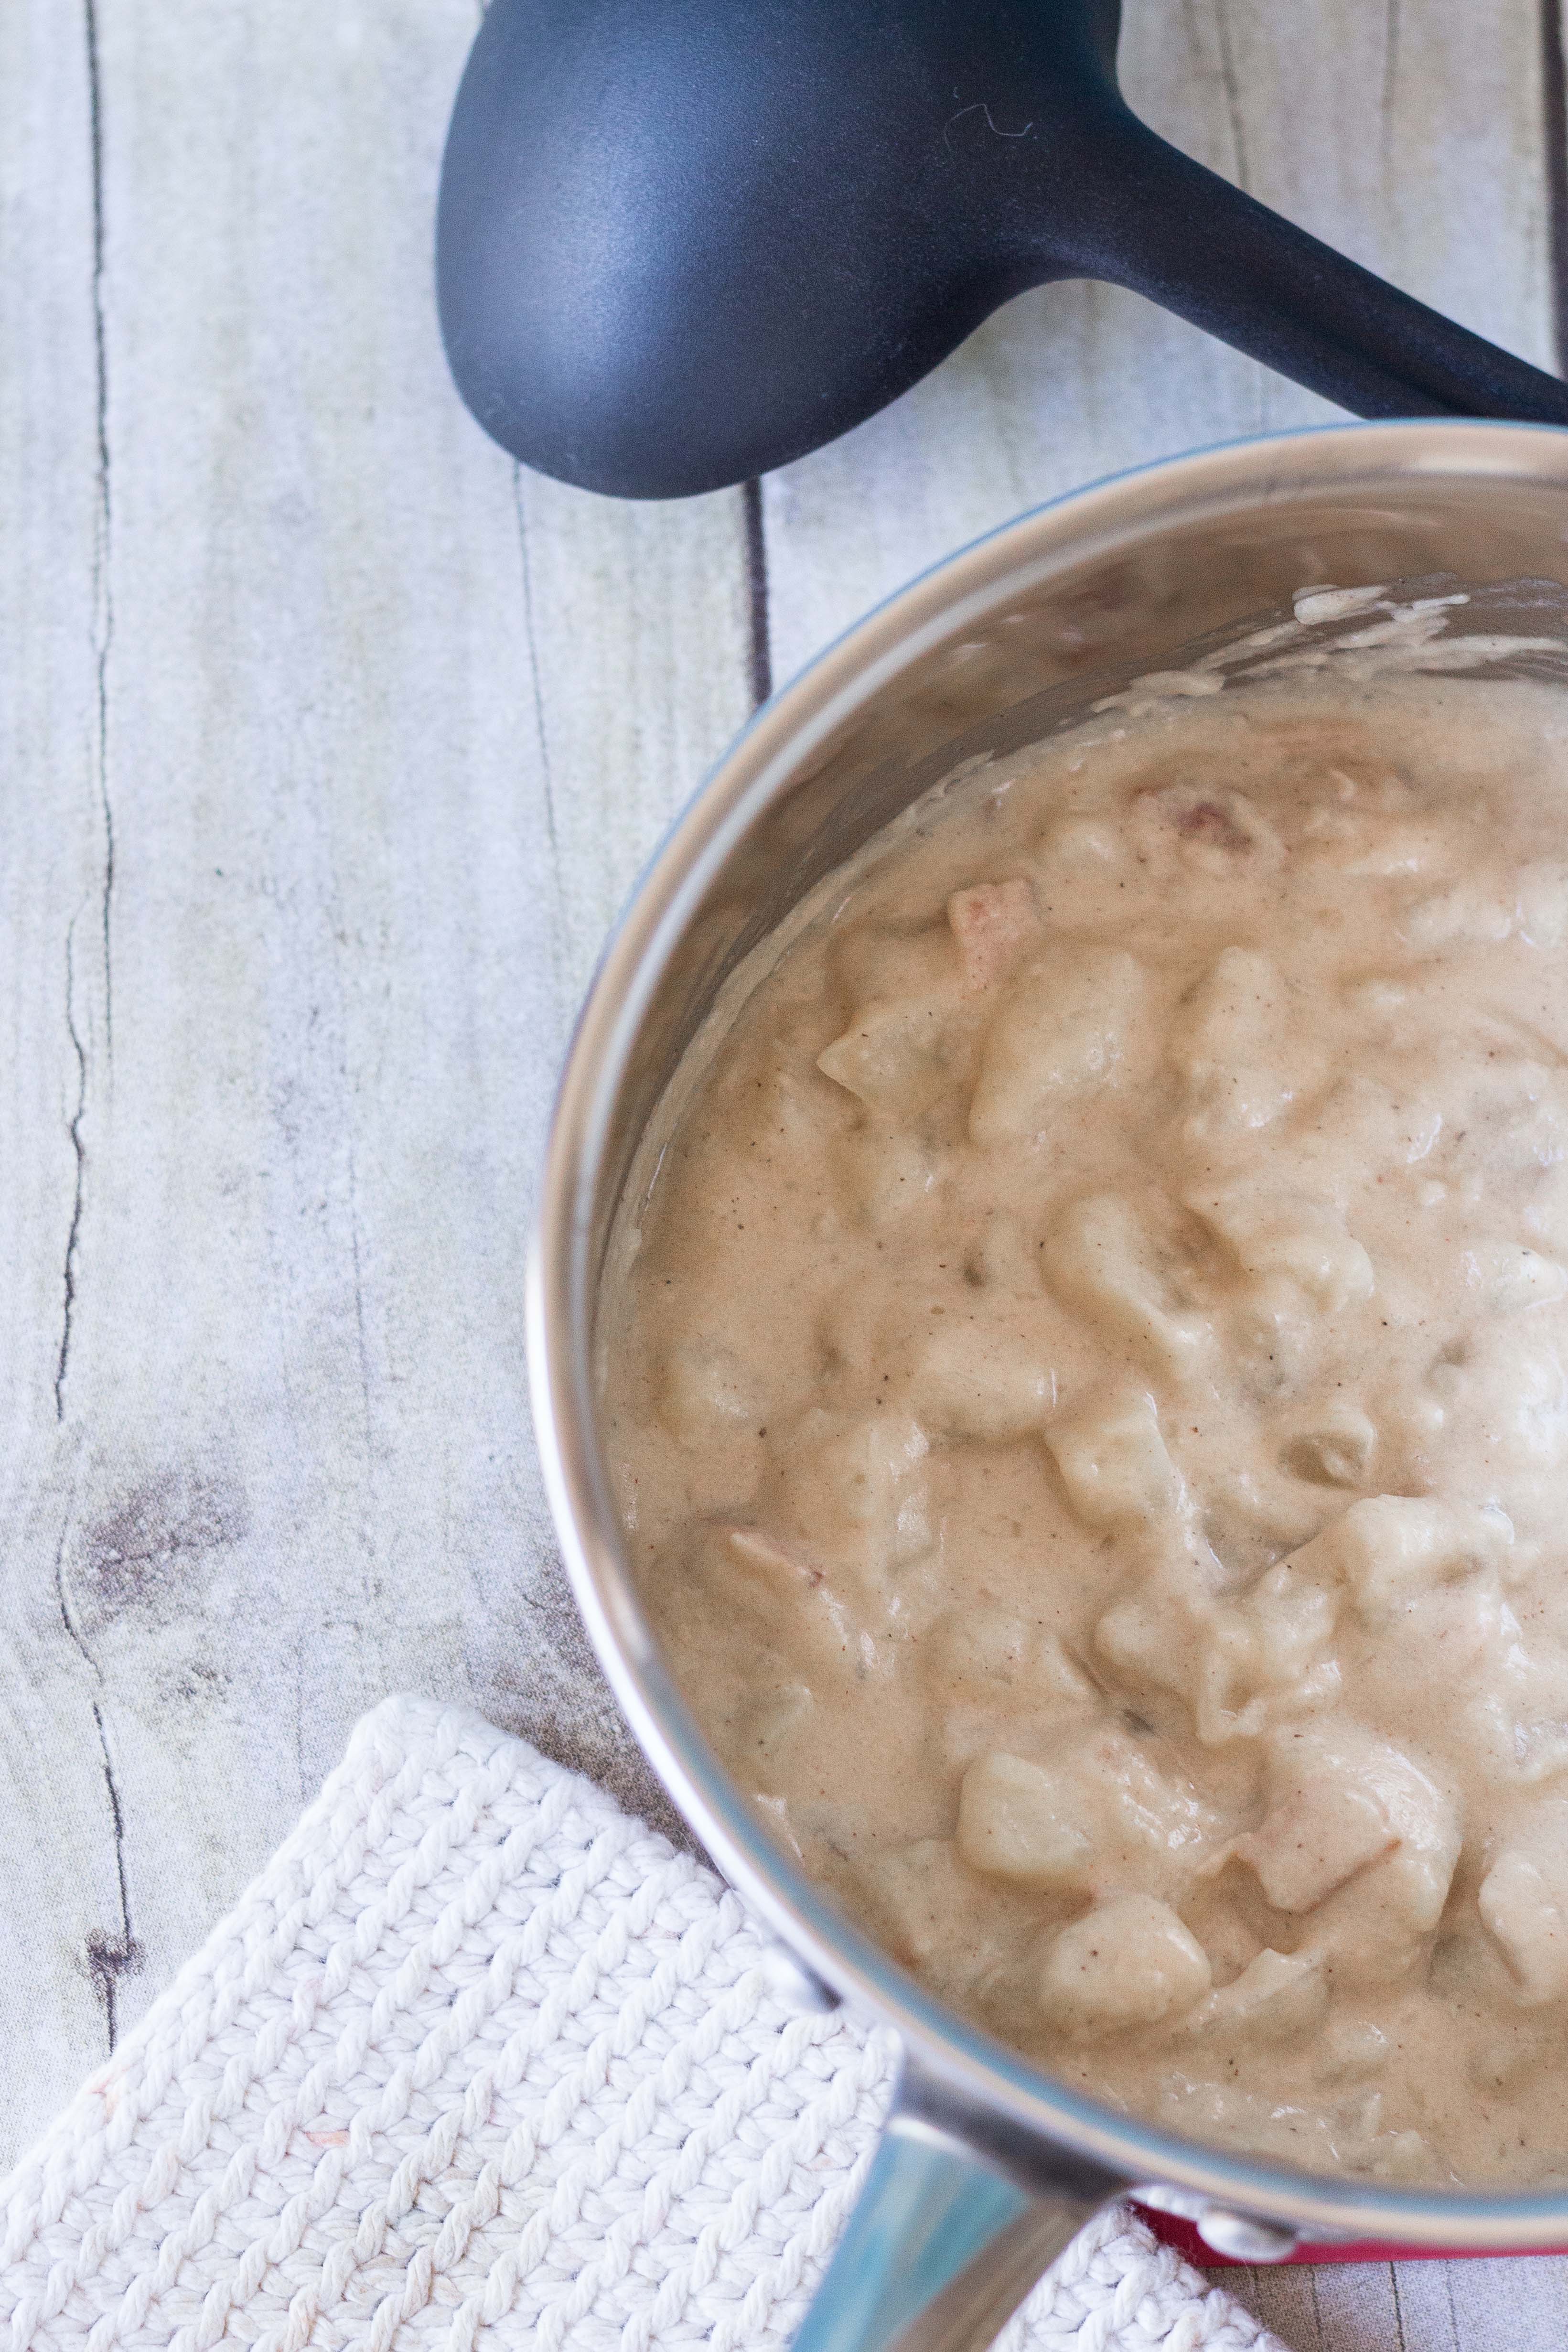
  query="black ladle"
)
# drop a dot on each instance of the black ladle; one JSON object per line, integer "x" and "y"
{"x": 682, "y": 241}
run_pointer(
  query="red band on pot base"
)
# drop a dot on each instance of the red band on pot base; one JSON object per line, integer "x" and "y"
{"x": 1183, "y": 2236}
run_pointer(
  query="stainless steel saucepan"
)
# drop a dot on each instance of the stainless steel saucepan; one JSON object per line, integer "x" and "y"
{"x": 987, "y": 2167}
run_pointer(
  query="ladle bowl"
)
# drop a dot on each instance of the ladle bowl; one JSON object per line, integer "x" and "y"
{"x": 681, "y": 242}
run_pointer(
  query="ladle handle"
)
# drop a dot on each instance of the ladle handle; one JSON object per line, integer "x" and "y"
{"x": 943, "y": 2244}
{"x": 1178, "y": 233}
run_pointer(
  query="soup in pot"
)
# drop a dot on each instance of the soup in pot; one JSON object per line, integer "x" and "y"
{"x": 1088, "y": 1392}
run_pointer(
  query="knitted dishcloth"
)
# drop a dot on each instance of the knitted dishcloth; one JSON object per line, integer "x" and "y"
{"x": 479, "y": 2061}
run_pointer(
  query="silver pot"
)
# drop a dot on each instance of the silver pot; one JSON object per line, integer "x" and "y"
{"x": 987, "y": 2167}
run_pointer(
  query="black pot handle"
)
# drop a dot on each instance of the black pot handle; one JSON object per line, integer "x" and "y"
{"x": 1169, "y": 228}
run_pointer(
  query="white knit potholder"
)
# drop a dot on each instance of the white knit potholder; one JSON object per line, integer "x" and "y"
{"x": 478, "y": 2060}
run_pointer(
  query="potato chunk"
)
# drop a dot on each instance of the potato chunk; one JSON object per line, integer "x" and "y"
{"x": 1063, "y": 1028}
{"x": 1230, "y": 1044}
{"x": 1389, "y": 1549}
{"x": 1113, "y": 1462}
{"x": 1332, "y": 1447}
{"x": 856, "y": 1492}
{"x": 922, "y": 1898}
{"x": 1022, "y": 1821}
{"x": 1270, "y": 1642}
{"x": 1100, "y": 1257}
{"x": 1230, "y": 1661}
{"x": 792, "y": 1595}
{"x": 1508, "y": 1276}
{"x": 985, "y": 1372}
{"x": 1278, "y": 1996}
{"x": 1523, "y": 1902}
{"x": 706, "y": 1387}
{"x": 1331, "y": 1796}
{"x": 1344, "y": 1805}
{"x": 979, "y": 1652}
{"x": 1277, "y": 1232}
{"x": 1097, "y": 1813}
{"x": 1128, "y": 1962}
{"x": 895, "y": 1057}
{"x": 1535, "y": 909}
{"x": 879, "y": 1172}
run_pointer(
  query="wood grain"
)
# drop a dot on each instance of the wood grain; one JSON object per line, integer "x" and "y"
{"x": 385, "y": 734}
{"x": 1432, "y": 2307}
{"x": 1393, "y": 130}
{"x": 332, "y": 745}
{"x": 60, "y": 1921}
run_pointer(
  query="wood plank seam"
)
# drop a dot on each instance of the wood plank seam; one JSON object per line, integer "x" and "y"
{"x": 1554, "y": 131}
{"x": 109, "y": 1957}
{"x": 104, "y": 608}
{"x": 77, "y": 1113}
{"x": 108, "y": 1954}
{"x": 542, "y": 735}
{"x": 757, "y": 592}
{"x": 102, "y": 632}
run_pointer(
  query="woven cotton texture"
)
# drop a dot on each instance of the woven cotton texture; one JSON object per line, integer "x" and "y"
{"x": 479, "y": 2061}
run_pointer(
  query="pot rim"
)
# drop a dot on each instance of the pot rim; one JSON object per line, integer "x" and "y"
{"x": 1003, "y": 2097}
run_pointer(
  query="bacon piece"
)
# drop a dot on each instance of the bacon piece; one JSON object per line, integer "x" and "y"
{"x": 993, "y": 924}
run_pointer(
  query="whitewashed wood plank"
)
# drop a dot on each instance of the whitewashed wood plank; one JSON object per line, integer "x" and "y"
{"x": 293, "y": 1470}
{"x": 1491, "y": 2306}
{"x": 1426, "y": 2307}
{"x": 1393, "y": 132}
{"x": 1397, "y": 134}
{"x": 60, "y": 1921}
{"x": 1283, "y": 2299}
{"x": 1333, "y": 2307}
{"x": 635, "y": 635}
{"x": 640, "y": 652}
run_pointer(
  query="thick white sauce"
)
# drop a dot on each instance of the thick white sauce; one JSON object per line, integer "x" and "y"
{"x": 1089, "y": 1401}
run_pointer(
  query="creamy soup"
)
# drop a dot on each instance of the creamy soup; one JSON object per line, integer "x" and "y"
{"x": 1087, "y": 1391}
